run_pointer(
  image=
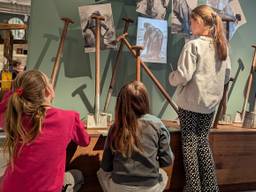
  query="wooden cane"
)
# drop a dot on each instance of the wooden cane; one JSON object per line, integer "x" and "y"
{"x": 249, "y": 84}
{"x": 56, "y": 66}
{"x": 127, "y": 21}
{"x": 97, "y": 67}
{"x": 223, "y": 105}
{"x": 137, "y": 50}
{"x": 151, "y": 75}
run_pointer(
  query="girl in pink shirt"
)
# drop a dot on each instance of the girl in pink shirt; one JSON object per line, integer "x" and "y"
{"x": 37, "y": 135}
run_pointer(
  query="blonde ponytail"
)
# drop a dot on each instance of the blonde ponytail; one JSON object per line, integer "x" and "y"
{"x": 214, "y": 22}
{"x": 220, "y": 40}
{"x": 28, "y": 99}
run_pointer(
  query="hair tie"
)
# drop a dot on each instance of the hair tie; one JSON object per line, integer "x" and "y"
{"x": 214, "y": 20}
{"x": 19, "y": 91}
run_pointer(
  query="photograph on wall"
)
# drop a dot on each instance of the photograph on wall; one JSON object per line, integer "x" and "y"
{"x": 180, "y": 16}
{"x": 152, "y": 35}
{"x": 153, "y": 8}
{"x": 88, "y": 26}
{"x": 229, "y": 9}
{"x": 181, "y": 11}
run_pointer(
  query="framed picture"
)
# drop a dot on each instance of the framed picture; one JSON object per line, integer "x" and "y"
{"x": 229, "y": 9}
{"x": 152, "y": 8}
{"x": 181, "y": 11}
{"x": 88, "y": 26}
{"x": 152, "y": 35}
{"x": 180, "y": 16}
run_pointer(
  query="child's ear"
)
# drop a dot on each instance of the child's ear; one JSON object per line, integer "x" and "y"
{"x": 49, "y": 92}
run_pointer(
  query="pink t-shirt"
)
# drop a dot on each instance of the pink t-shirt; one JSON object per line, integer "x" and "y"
{"x": 40, "y": 166}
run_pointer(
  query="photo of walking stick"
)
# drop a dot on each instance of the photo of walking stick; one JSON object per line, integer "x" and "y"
{"x": 151, "y": 75}
{"x": 56, "y": 66}
{"x": 127, "y": 21}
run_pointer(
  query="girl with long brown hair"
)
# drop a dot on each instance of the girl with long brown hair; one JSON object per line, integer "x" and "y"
{"x": 37, "y": 135}
{"x": 138, "y": 144}
{"x": 202, "y": 70}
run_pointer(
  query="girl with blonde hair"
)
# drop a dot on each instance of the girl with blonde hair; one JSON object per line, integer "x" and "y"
{"x": 37, "y": 135}
{"x": 202, "y": 70}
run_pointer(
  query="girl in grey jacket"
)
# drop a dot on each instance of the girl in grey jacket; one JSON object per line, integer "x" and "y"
{"x": 138, "y": 144}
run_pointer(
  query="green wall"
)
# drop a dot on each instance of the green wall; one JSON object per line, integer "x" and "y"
{"x": 77, "y": 68}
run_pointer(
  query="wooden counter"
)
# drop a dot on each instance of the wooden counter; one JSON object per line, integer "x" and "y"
{"x": 234, "y": 151}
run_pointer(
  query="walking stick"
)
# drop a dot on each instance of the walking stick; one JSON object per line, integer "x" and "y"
{"x": 222, "y": 106}
{"x": 151, "y": 75}
{"x": 127, "y": 21}
{"x": 97, "y": 68}
{"x": 56, "y": 66}
{"x": 249, "y": 84}
{"x": 137, "y": 50}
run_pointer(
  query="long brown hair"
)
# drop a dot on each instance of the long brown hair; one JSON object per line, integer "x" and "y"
{"x": 27, "y": 99}
{"x": 132, "y": 102}
{"x": 212, "y": 19}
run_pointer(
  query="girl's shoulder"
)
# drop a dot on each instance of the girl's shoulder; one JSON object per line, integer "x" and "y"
{"x": 63, "y": 112}
{"x": 151, "y": 118}
{"x": 154, "y": 123}
{"x": 193, "y": 44}
{"x": 198, "y": 39}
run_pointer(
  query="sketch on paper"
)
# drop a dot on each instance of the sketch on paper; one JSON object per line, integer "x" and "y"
{"x": 217, "y": 4}
{"x": 181, "y": 10}
{"x": 229, "y": 8}
{"x": 153, "y": 8}
{"x": 180, "y": 16}
{"x": 88, "y": 26}
{"x": 152, "y": 35}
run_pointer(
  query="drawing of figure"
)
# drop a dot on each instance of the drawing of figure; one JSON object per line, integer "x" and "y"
{"x": 152, "y": 7}
{"x": 88, "y": 26}
{"x": 182, "y": 12}
{"x": 90, "y": 31}
{"x": 153, "y": 40}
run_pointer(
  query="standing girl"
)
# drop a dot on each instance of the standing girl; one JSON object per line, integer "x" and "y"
{"x": 202, "y": 70}
{"x": 138, "y": 144}
{"x": 37, "y": 135}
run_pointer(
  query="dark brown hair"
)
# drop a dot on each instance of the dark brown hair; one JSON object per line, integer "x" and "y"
{"x": 132, "y": 102}
{"x": 212, "y": 19}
